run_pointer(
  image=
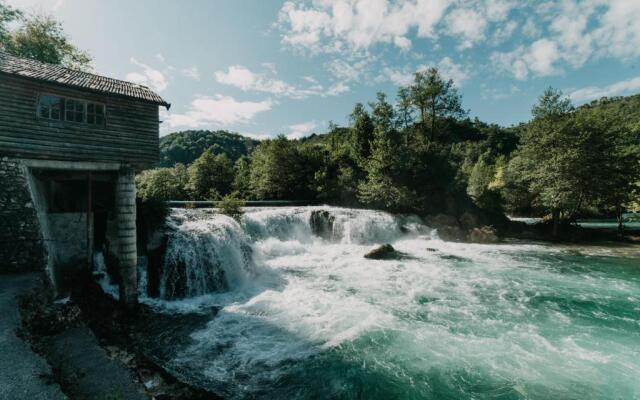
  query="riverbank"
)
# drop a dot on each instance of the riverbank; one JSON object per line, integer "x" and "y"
{"x": 23, "y": 373}
{"x": 569, "y": 233}
{"x": 89, "y": 344}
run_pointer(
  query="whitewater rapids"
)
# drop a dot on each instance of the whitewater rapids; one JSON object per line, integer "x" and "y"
{"x": 303, "y": 315}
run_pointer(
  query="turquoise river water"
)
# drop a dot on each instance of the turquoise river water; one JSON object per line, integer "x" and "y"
{"x": 302, "y": 315}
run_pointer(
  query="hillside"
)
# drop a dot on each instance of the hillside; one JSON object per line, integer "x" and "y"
{"x": 184, "y": 147}
{"x": 625, "y": 108}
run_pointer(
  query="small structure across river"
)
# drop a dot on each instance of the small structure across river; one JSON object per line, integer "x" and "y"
{"x": 70, "y": 145}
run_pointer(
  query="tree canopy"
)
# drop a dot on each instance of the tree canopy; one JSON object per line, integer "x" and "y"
{"x": 565, "y": 162}
{"x": 39, "y": 37}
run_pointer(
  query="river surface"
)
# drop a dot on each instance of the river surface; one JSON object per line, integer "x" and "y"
{"x": 302, "y": 315}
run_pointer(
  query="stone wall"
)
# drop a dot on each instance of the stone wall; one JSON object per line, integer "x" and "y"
{"x": 22, "y": 247}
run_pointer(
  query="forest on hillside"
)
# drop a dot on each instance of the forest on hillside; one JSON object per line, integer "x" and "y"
{"x": 421, "y": 153}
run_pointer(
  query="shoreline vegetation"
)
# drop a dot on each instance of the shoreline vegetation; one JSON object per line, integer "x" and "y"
{"x": 422, "y": 154}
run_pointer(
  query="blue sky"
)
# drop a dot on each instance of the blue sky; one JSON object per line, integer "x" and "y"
{"x": 265, "y": 67}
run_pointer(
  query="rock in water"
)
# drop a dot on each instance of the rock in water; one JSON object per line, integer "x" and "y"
{"x": 486, "y": 234}
{"x": 383, "y": 252}
{"x": 321, "y": 222}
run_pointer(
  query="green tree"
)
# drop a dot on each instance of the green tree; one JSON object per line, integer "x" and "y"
{"x": 7, "y": 16}
{"x": 210, "y": 176}
{"x": 361, "y": 133}
{"x": 385, "y": 185}
{"x": 550, "y": 157}
{"x": 404, "y": 107}
{"x": 552, "y": 105}
{"x": 242, "y": 177}
{"x": 163, "y": 183}
{"x": 435, "y": 99}
{"x": 40, "y": 37}
{"x": 612, "y": 161}
{"x": 279, "y": 172}
{"x": 231, "y": 205}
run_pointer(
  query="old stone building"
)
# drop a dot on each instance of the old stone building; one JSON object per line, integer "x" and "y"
{"x": 70, "y": 145}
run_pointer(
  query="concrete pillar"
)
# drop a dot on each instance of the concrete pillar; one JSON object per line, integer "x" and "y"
{"x": 127, "y": 254}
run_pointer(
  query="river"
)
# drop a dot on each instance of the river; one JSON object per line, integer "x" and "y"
{"x": 302, "y": 316}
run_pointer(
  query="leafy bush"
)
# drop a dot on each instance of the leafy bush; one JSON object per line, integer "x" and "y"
{"x": 231, "y": 205}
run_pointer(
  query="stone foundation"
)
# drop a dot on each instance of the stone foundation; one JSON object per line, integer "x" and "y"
{"x": 22, "y": 247}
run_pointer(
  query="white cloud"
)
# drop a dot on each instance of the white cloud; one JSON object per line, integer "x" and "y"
{"x": 450, "y": 70}
{"x": 530, "y": 28}
{"x": 447, "y": 67}
{"x": 504, "y": 32}
{"x": 539, "y": 59}
{"x": 498, "y": 93}
{"x": 149, "y": 76}
{"x": 348, "y": 71}
{"x": 336, "y": 25}
{"x": 619, "y": 32}
{"x": 594, "y": 92}
{"x": 247, "y": 80}
{"x": 298, "y": 131}
{"x": 191, "y": 72}
{"x": 257, "y": 135}
{"x": 205, "y": 111}
{"x": 554, "y": 36}
{"x": 336, "y": 89}
{"x": 498, "y": 10}
{"x": 469, "y": 25}
{"x": 160, "y": 57}
{"x": 399, "y": 77}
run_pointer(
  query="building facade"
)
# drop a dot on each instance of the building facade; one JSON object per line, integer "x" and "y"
{"x": 70, "y": 145}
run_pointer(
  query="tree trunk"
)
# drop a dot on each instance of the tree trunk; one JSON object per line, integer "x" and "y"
{"x": 433, "y": 120}
{"x": 619, "y": 218}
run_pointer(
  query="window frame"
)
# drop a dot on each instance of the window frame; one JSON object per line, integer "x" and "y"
{"x": 63, "y": 110}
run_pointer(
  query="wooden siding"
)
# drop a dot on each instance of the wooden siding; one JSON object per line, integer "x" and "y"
{"x": 130, "y": 134}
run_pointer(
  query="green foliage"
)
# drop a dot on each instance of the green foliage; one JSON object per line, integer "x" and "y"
{"x": 242, "y": 177}
{"x": 231, "y": 205}
{"x": 39, "y": 37}
{"x": 151, "y": 215}
{"x": 569, "y": 161}
{"x": 7, "y": 16}
{"x": 163, "y": 183}
{"x": 210, "y": 176}
{"x": 435, "y": 99}
{"x": 184, "y": 147}
{"x": 280, "y": 171}
{"x": 565, "y": 161}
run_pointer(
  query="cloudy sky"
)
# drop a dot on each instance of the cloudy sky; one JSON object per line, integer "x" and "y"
{"x": 265, "y": 67}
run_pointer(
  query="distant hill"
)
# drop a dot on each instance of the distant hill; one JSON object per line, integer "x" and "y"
{"x": 627, "y": 108}
{"x": 184, "y": 147}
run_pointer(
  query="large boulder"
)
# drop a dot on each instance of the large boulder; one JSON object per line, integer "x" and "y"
{"x": 486, "y": 234}
{"x": 451, "y": 233}
{"x": 321, "y": 222}
{"x": 384, "y": 252}
{"x": 441, "y": 220}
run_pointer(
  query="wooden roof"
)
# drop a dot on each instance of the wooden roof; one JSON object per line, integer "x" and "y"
{"x": 65, "y": 76}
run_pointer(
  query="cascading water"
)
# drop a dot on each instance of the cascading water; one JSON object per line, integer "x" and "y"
{"x": 301, "y": 314}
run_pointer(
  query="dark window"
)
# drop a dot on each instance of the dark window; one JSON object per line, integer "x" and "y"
{"x": 50, "y": 107}
{"x": 74, "y": 110}
{"x": 95, "y": 114}
{"x": 54, "y": 107}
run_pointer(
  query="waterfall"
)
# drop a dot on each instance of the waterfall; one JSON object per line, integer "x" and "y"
{"x": 208, "y": 252}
